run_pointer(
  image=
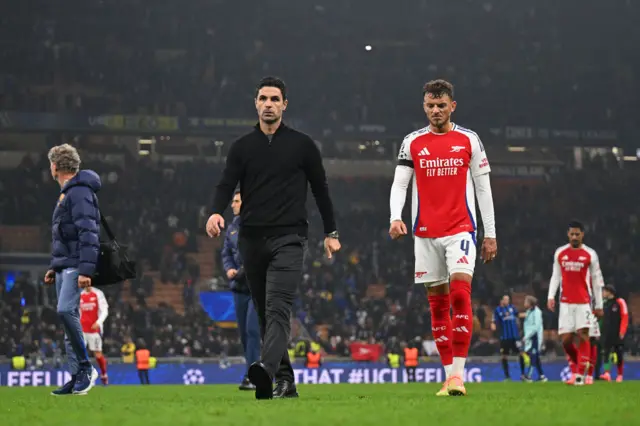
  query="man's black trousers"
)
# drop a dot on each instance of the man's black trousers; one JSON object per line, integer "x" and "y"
{"x": 273, "y": 267}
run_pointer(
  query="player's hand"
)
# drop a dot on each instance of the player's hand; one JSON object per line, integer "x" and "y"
{"x": 95, "y": 326}
{"x": 231, "y": 273}
{"x": 551, "y": 304}
{"x": 331, "y": 245}
{"x": 84, "y": 281}
{"x": 397, "y": 229}
{"x": 622, "y": 337}
{"x": 493, "y": 326}
{"x": 214, "y": 225}
{"x": 598, "y": 313}
{"x": 50, "y": 277}
{"x": 489, "y": 249}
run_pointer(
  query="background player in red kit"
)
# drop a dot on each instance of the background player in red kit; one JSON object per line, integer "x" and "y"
{"x": 448, "y": 164}
{"x": 576, "y": 267}
{"x": 94, "y": 310}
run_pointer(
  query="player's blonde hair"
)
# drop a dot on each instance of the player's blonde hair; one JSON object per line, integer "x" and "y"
{"x": 65, "y": 157}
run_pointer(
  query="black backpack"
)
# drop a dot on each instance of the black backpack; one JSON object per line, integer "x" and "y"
{"x": 114, "y": 265}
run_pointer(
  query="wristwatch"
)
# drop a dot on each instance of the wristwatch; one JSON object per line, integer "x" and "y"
{"x": 334, "y": 235}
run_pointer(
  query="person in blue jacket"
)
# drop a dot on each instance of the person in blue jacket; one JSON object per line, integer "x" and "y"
{"x": 75, "y": 247}
{"x": 245, "y": 312}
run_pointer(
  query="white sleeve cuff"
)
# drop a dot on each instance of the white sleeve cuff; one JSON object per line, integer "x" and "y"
{"x": 485, "y": 203}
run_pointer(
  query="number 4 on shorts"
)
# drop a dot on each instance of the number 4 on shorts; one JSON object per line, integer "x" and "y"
{"x": 464, "y": 246}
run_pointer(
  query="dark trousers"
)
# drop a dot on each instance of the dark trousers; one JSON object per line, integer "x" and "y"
{"x": 411, "y": 374}
{"x": 274, "y": 268}
{"x": 143, "y": 375}
{"x": 609, "y": 347}
{"x": 248, "y": 326}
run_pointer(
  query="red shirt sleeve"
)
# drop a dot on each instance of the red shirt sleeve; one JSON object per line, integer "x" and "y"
{"x": 624, "y": 316}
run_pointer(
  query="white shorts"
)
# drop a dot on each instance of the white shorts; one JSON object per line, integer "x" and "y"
{"x": 574, "y": 317}
{"x": 93, "y": 341}
{"x": 438, "y": 258}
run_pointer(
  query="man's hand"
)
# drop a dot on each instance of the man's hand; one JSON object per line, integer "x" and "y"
{"x": 214, "y": 225}
{"x": 95, "y": 326}
{"x": 331, "y": 245}
{"x": 231, "y": 273}
{"x": 598, "y": 313}
{"x": 84, "y": 281}
{"x": 489, "y": 249}
{"x": 397, "y": 229}
{"x": 493, "y": 326}
{"x": 551, "y": 304}
{"x": 50, "y": 277}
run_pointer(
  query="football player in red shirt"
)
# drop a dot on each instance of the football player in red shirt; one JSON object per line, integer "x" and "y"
{"x": 449, "y": 168}
{"x": 94, "y": 310}
{"x": 576, "y": 268}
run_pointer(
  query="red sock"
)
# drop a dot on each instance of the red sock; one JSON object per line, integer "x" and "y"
{"x": 620, "y": 367}
{"x": 462, "y": 321}
{"x": 441, "y": 326}
{"x": 572, "y": 356}
{"x": 593, "y": 360}
{"x": 102, "y": 364}
{"x": 572, "y": 365}
{"x": 584, "y": 351}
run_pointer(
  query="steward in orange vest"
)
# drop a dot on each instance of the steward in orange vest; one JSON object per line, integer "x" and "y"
{"x": 411, "y": 362}
{"x": 313, "y": 360}
{"x": 142, "y": 362}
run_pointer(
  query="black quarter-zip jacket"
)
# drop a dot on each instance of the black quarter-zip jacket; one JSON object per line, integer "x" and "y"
{"x": 273, "y": 178}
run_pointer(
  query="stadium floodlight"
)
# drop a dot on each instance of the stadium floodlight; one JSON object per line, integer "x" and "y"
{"x": 144, "y": 146}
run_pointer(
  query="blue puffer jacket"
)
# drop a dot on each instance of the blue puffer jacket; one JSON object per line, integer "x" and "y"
{"x": 75, "y": 227}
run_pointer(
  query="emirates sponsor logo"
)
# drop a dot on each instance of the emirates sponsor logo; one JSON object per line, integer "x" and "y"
{"x": 441, "y": 166}
{"x": 441, "y": 162}
{"x": 573, "y": 266}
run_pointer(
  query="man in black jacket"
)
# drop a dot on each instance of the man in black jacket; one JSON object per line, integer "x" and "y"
{"x": 615, "y": 322}
{"x": 274, "y": 165}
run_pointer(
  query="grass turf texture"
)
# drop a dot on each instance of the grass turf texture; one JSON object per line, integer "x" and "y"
{"x": 510, "y": 404}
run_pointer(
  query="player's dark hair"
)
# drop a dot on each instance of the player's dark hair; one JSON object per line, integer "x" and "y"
{"x": 576, "y": 224}
{"x": 438, "y": 88}
{"x": 236, "y": 192}
{"x": 273, "y": 82}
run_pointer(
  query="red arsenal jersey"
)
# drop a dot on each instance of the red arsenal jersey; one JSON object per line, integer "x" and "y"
{"x": 443, "y": 192}
{"x": 93, "y": 308}
{"x": 576, "y": 270}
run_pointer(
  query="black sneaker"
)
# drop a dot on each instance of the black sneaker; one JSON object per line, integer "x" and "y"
{"x": 66, "y": 389}
{"x": 285, "y": 389}
{"x": 246, "y": 385}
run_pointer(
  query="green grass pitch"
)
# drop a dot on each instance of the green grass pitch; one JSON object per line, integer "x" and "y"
{"x": 499, "y": 404}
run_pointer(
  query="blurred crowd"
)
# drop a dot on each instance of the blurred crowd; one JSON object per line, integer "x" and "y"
{"x": 365, "y": 293}
{"x": 203, "y": 57}
{"x": 193, "y": 59}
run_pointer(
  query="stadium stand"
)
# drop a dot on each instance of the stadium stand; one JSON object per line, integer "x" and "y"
{"x": 175, "y": 59}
